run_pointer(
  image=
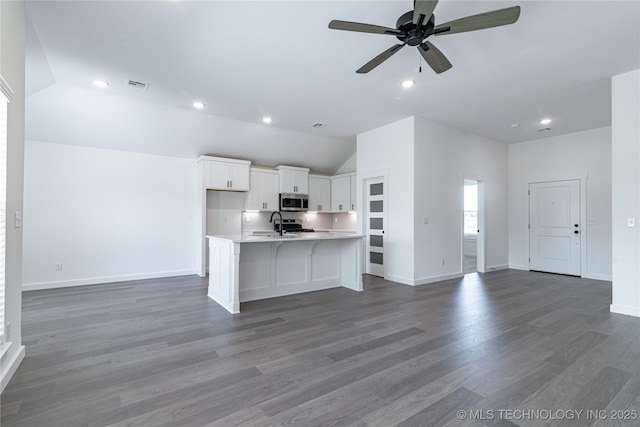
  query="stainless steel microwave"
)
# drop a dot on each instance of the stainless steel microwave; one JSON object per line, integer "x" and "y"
{"x": 294, "y": 202}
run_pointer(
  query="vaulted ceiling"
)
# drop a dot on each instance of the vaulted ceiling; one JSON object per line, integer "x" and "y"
{"x": 248, "y": 59}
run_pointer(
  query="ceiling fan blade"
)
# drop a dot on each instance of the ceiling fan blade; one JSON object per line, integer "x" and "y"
{"x": 423, "y": 7}
{"x": 379, "y": 59}
{"x": 481, "y": 21}
{"x": 362, "y": 28}
{"x": 436, "y": 59}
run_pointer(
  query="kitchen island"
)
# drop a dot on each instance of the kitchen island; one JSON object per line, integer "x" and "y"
{"x": 251, "y": 267}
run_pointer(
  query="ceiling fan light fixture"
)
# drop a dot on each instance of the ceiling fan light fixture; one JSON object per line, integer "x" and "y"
{"x": 198, "y": 105}
{"x": 101, "y": 83}
{"x": 408, "y": 83}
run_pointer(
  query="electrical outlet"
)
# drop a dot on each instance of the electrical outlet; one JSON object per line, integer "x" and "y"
{"x": 58, "y": 266}
{"x": 441, "y": 261}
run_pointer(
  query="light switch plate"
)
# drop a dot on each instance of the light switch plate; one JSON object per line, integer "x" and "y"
{"x": 631, "y": 222}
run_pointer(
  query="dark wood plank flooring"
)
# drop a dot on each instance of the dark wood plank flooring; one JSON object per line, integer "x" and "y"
{"x": 159, "y": 353}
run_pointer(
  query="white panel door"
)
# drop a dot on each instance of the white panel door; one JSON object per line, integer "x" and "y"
{"x": 375, "y": 226}
{"x": 554, "y": 227}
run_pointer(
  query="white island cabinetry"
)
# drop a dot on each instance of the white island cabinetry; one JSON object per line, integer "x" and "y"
{"x": 247, "y": 268}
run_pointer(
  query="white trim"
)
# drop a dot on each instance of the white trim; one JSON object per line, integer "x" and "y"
{"x": 598, "y": 276}
{"x": 518, "y": 267}
{"x": 434, "y": 279}
{"x": 625, "y": 309}
{"x": 491, "y": 268}
{"x": 6, "y": 89}
{"x": 425, "y": 280}
{"x": 105, "y": 279}
{"x": 11, "y": 366}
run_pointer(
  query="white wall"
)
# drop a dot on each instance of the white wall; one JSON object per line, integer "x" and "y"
{"x": 106, "y": 215}
{"x": 12, "y": 43}
{"x": 626, "y": 193}
{"x": 390, "y": 149}
{"x": 444, "y": 158}
{"x": 569, "y": 156}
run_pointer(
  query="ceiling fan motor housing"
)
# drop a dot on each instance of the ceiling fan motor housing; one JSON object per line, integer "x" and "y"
{"x": 412, "y": 34}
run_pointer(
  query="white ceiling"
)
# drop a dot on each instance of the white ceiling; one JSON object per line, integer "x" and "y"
{"x": 246, "y": 59}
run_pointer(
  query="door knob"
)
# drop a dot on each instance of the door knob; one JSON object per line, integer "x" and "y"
{"x": 576, "y": 232}
{"x": 575, "y": 225}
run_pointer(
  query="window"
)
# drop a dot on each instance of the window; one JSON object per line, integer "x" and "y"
{"x": 470, "y": 208}
{"x": 5, "y": 97}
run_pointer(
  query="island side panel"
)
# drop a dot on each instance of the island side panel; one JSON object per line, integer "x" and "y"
{"x": 224, "y": 258}
{"x": 351, "y": 263}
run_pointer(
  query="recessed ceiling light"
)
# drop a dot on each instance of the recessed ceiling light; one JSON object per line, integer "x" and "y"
{"x": 100, "y": 83}
{"x": 408, "y": 83}
{"x": 515, "y": 125}
{"x": 199, "y": 105}
{"x": 267, "y": 120}
{"x": 545, "y": 121}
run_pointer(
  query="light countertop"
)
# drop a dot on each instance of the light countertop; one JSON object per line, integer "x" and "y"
{"x": 292, "y": 237}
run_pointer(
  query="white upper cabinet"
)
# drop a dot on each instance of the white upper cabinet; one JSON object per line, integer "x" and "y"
{"x": 293, "y": 179}
{"x": 319, "y": 193}
{"x": 224, "y": 174}
{"x": 343, "y": 193}
{"x": 263, "y": 195}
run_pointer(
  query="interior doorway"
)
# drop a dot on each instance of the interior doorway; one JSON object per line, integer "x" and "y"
{"x": 375, "y": 222}
{"x": 472, "y": 227}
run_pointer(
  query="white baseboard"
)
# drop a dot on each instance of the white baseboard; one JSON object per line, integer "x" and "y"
{"x": 434, "y": 279}
{"x": 424, "y": 280}
{"x": 519, "y": 267}
{"x": 399, "y": 279}
{"x": 491, "y": 268}
{"x": 625, "y": 309}
{"x": 596, "y": 276}
{"x": 9, "y": 367}
{"x": 105, "y": 279}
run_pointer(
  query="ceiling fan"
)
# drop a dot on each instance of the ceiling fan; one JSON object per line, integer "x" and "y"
{"x": 415, "y": 26}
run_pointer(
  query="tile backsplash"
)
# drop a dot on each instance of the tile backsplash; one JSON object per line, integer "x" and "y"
{"x": 259, "y": 221}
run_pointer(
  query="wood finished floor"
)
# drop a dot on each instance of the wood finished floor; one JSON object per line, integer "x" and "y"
{"x": 159, "y": 353}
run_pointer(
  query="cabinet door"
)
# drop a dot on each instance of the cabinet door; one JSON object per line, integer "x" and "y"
{"x": 254, "y": 196}
{"x": 287, "y": 182}
{"x": 292, "y": 181}
{"x": 341, "y": 194}
{"x": 270, "y": 194}
{"x": 319, "y": 194}
{"x": 302, "y": 182}
{"x": 216, "y": 175}
{"x": 354, "y": 194}
{"x": 238, "y": 176}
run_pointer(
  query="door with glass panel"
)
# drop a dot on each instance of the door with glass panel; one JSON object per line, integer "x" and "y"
{"x": 375, "y": 225}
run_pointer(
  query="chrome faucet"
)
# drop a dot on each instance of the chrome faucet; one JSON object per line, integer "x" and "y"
{"x": 271, "y": 220}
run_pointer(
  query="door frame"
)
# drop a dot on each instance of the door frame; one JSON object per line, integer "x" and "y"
{"x": 581, "y": 176}
{"x": 481, "y": 263}
{"x": 361, "y": 181}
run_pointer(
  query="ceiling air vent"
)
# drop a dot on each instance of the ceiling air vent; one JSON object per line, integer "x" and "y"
{"x": 318, "y": 125}
{"x": 138, "y": 85}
